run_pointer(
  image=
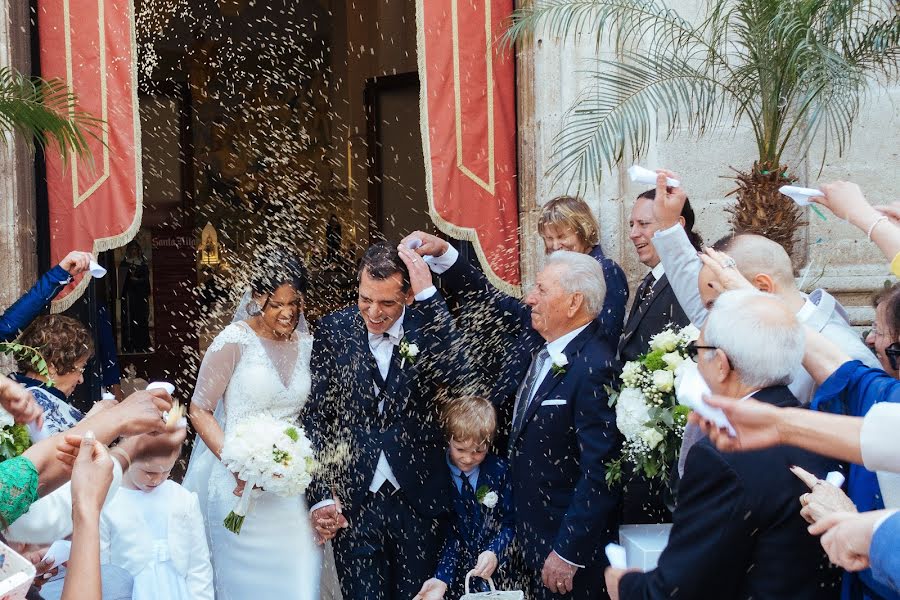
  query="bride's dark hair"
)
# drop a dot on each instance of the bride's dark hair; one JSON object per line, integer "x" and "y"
{"x": 274, "y": 269}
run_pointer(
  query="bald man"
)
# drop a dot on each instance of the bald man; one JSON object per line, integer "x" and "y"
{"x": 737, "y": 530}
{"x": 766, "y": 265}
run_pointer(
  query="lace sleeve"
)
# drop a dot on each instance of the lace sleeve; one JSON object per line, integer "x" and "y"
{"x": 218, "y": 365}
{"x": 18, "y": 488}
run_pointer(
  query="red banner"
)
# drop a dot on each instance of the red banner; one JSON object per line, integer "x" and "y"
{"x": 95, "y": 204}
{"x": 468, "y": 111}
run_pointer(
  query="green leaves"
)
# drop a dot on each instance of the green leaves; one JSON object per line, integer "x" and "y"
{"x": 44, "y": 112}
{"x": 795, "y": 70}
{"x": 14, "y": 440}
{"x": 22, "y": 352}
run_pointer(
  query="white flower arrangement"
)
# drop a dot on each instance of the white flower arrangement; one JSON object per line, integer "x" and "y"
{"x": 558, "y": 366}
{"x": 270, "y": 454}
{"x": 408, "y": 352}
{"x": 647, "y": 412}
{"x": 486, "y": 496}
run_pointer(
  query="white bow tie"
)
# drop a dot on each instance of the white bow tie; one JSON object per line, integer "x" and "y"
{"x": 377, "y": 339}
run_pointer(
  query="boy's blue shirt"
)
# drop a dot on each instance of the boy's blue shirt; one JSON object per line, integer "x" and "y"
{"x": 497, "y": 524}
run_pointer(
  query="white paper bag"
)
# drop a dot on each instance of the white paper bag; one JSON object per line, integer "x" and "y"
{"x": 16, "y": 574}
{"x": 494, "y": 593}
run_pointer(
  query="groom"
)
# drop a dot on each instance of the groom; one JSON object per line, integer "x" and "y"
{"x": 377, "y": 374}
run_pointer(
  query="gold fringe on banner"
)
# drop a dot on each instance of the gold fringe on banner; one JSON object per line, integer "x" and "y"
{"x": 462, "y": 233}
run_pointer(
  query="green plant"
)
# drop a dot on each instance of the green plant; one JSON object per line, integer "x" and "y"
{"x": 794, "y": 70}
{"x": 29, "y": 353}
{"x": 44, "y": 112}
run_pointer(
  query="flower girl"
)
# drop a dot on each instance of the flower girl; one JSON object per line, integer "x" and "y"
{"x": 153, "y": 529}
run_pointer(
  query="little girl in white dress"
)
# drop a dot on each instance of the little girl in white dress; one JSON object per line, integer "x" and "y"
{"x": 153, "y": 529}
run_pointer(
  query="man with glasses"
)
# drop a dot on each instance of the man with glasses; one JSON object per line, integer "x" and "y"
{"x": 737, "y": 530}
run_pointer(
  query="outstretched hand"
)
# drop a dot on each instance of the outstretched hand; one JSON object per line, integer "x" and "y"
{"x": 20, "y": 403}
{"x": 823, "y": 499}
{"x": 755, "y": 423}
{"x": 847, "y": 537}
{"x": 76, "y": 262}
{"x": 433, "y": 589}
{"x": 432, "y": 245}
{"x": 723, "y": 267}
{"x": 419, "y": 273}
{"x": 669, "y": 202}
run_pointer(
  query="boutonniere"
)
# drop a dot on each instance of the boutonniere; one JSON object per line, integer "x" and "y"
{"x": 485, "y": 496}
{"x": 558, "y": 367}
{"x": 408, "y": 351}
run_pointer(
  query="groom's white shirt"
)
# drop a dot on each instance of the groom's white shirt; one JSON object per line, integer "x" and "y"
{"x": 382, "y": 350}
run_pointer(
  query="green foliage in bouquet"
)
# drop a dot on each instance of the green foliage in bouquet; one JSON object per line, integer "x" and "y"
{"x": 647, "y": 412}
{"x": 14, "y": 440}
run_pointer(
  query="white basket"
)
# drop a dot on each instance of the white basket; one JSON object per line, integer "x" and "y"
{"x": 494, "y": 593}
{"x": 16, "y": 574}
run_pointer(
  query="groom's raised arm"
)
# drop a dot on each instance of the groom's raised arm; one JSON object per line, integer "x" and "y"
{"x": 467, "y": 284}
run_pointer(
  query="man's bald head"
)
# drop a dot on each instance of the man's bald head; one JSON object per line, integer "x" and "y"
{"x": 755, "y": 255}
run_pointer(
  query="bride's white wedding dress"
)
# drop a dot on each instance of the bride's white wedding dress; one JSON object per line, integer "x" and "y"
{"x": 275, "y": 555}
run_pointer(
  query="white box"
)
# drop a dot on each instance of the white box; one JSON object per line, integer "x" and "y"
{"x": 644, "y": 543}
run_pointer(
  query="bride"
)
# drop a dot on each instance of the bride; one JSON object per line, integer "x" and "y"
{"x": 258, "y": 364}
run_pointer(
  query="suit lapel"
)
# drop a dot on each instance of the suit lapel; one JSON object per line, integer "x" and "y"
{"x": 396, "y": 373}
{"x": 634, "y": 320}
{"x": 551, "y": 380}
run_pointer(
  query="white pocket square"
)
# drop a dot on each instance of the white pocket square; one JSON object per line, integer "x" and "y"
{"x": 554, "y": 402}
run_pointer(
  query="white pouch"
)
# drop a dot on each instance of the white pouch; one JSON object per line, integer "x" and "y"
{"x": 494, "y": 593}
{"x": 16, "y": 574}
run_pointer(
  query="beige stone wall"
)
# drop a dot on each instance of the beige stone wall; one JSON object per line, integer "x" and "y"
{"x": 18, "y": 265}
{"x": 837, "y": 256}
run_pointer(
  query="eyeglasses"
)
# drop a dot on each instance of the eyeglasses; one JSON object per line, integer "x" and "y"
{"x": 693, "y": 348}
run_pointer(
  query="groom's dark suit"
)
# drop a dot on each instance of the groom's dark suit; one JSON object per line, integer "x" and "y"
{"x": 391, "y": 545}
{"x": 557, "y": 457}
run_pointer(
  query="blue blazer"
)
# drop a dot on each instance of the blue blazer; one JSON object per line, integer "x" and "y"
{"x": 24, "y": 310}
{"x": 737, "y": 532}
{"x": 495, "y": 526}
{"x": 560, "y": 495}
{"x": 612, "y": 317}
{"x": 343, "y": 408}
{"x": 883, "y": 555}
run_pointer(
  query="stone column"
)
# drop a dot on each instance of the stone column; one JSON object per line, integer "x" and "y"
{"x": 17, "y": 219}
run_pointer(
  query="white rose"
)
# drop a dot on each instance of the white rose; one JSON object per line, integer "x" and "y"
{"x": 666, "y": 340}
{"x": 673, "y": 360}
{"x": 560, "y": 360}
{"x": 652, "y": 437}
{"x": 490, "y": 499}
{"x": 689, "y": 333}
{"x": 412, "y": 350}
{"x": 631, "y": 412}
{"x": 6, "y": 419}
{"x": 664, "y": 381}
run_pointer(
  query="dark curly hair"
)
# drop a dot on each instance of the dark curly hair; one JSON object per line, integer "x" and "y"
{"x": 63, "y": 341}
{"x": 381, "y": 261}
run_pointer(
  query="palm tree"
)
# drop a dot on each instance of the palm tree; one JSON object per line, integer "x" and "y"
{"x": 43, "y": 112}
{"x": 794, "y": 70}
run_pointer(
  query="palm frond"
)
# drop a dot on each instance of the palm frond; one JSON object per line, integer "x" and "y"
{"x": 618, "y": 117}
{"x": 44, "y": 112}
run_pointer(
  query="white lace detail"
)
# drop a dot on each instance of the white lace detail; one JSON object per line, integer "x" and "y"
{"x": 255, "y": 387}
{"x": 235, "y": 333}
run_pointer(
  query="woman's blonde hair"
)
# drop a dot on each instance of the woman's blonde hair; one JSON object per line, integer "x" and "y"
{"x": 572, "y": 213}
{"x": 470, "y": 418}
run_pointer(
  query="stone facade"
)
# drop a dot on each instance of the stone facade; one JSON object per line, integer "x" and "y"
{"x": 834, "y": 255}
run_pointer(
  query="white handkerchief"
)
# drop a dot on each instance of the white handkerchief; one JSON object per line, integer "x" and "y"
{"x": 639, "y": 174}
{"x": 162, "y": 385}
{"x": 96, "y": 270}
{"x": 616, "y": 556}
{"x": 690, "y": 390}
{"x": 835, "y": 478}
{"x": 413, "y": 243}
{"x": 554, "y": 402}
{"x": 800, "y": 195}
{"x": 58, "y": 553}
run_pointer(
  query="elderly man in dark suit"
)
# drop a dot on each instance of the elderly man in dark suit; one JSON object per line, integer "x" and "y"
{"x": 377, "y": 371}
{"x": 562, "y": 431}
{"x": 737, "y": 530}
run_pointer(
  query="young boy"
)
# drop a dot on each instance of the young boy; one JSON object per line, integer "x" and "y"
{"x": 481, "y": 524}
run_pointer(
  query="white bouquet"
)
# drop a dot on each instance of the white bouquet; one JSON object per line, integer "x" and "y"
{"x": 647, "y": 411}
{"x": 270, "y": 454}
